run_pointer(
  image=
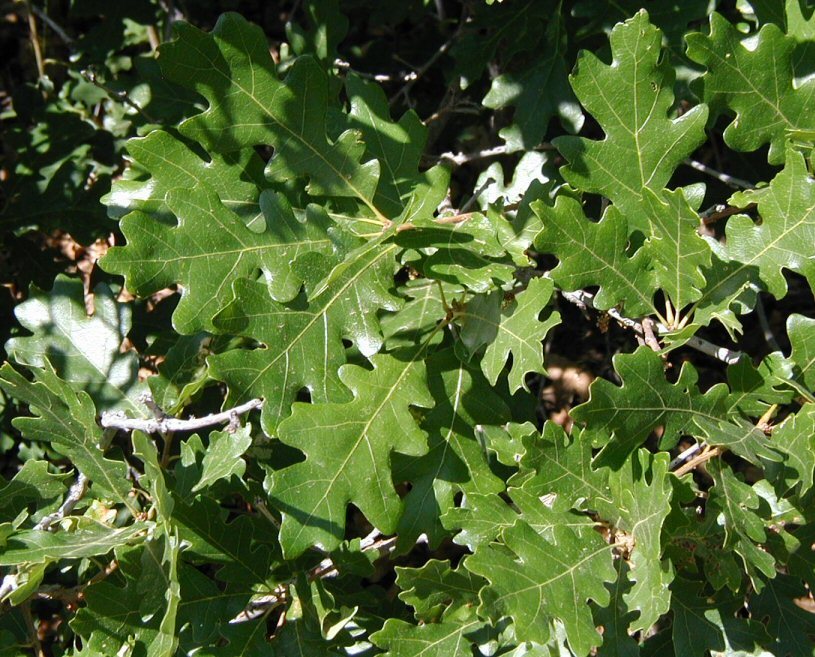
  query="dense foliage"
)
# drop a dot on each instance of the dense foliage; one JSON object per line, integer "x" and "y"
{"x": 326, "y": 390}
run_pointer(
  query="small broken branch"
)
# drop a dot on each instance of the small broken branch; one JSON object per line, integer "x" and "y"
{"x": 117, "y": 420}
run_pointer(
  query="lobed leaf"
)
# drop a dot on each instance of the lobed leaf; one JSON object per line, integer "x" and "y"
{"x": 630, "y": 99}
{"x": 348, "y": 448}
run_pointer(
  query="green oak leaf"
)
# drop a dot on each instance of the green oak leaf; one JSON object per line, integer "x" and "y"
{"x": 677, "y": 252}
{"x": 328, "y": 27}
{"x": 435, "y": 589}
{"x": 595, "y": 254}
{"x": 182, "y": 373}
{"x": 754, "y": 389}
{"x": 802, "y": 338}
{"x": 121, "y": 612}
{"x": 464, "y": 249}
{"x": 348, "y": 448}
{"x": 514, "y": 330}
{"x": 795, "y": 439}
{"x": 630, "y": 99}
{"x": 736, "y": 505}
{"x": 755, "y": 81}
{"x": 32, "y": 487}
{"x": 639, "y": 502}
{"x": 210, "y": 248}
{"x": 741, "y": 437}
{"x": 249, "y": 106}
{"x": 454, "y": 461}
{"x": 404, "y": 193}
{"x": 557, "y": 467}
{"x": 223, "y": 458}
{"x": 416, "y": 321}
{"x": 450, "y": 638}
{"x": 87, "y": 539}
{"x": 538, "y": 93}
{"x": 508, "y": 29}
{"x": 66, "y": 420}
{"x": 620, "y": 418}
{"x": 779, "y": 241}
{"x": 236, "y": 177}
{"x": 704, "y": 622}
{"x": 242, "y": 549}
{"x": 789, "y": 626}
{"x": 542, "y": 580}
{"x": 616, "y": 618}
{"x": 303, "y": 339}
{"x": 84, "y": 350}
{"x": 672, "y": 18}
{"x": 480, "y": 519}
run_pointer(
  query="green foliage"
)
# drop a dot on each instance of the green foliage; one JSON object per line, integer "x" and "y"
{"x": 327, "y": 391}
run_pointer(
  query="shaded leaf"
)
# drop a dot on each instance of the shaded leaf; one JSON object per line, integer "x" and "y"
{"x": 66, "y": 420}
{"x": 455, "y": 461}
{"x": 83, "y": 350}
{"x": 348, "y": 448}
{"x": 516, "y": 332}
{"x": 248, "y": 105}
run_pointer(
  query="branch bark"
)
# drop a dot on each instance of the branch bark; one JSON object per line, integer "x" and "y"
{"x": 117, "y": 420}
{"x": 586, "y": 300}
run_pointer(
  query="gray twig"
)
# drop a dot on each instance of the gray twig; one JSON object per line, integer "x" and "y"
{"x": 377, "y": 77}
{"x": 426, "y": 66}
{"x": 75, "y": 493}
{"x": 118, "y": 420}
{"x": 685, "y": 455}
{"x": 582, "y": 298}
{"x": 50, "y": 22}
{"x": 730, "y": 181}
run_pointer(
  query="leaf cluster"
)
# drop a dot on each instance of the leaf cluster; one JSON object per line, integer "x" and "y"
{"x": 311, "y": 351}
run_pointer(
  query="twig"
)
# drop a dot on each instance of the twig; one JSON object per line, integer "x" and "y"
{"x": 377, "y": 77}
{"x": 118, "y": 420}
{"x": 426, "y": 66}
{"x": 720, "y": 211}
{"x": 684, "y": 456}
{"x": 50, "y": 22}
{"x": 34, "y": 37}
{"x": 478, "y": 192}
{"x": 582, "y": 298}
{"x": 765, "y": 326}
{"x": 649, "y": 334}
{"x": 75, "y": 493}
{"x": 90, "y": 75}
{"x": 705, "y": 455}
{"x": 463, "y": 158}
{"x": 730, "y": 181}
